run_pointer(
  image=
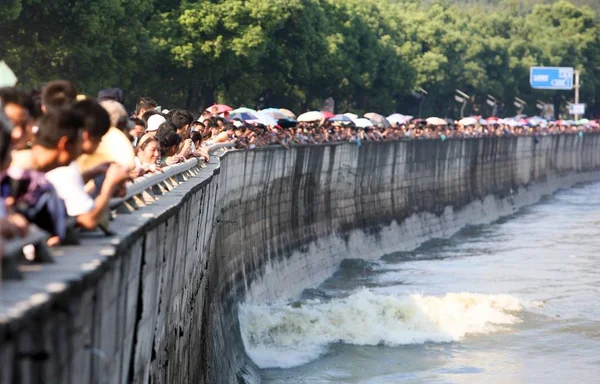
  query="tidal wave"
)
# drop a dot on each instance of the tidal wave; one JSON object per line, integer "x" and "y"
{"x": 292, "y": 335}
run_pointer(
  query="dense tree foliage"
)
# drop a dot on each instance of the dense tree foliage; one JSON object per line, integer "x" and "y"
{"x": 521, "y": 6}
{"x": 366, "y": 54}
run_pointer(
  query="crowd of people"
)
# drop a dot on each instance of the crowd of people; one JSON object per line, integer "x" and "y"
{"x": 352, "y": 129}
{"x": 64, "y": 156}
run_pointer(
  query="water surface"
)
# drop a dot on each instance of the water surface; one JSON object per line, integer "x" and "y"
{"x": 515, "y": 301}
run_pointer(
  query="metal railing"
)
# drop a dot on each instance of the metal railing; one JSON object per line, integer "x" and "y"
{"x": 147, "y": 189}
{"x": 223, "y": 147}
{"x": 29, "y": 249}
{"x": 141, "y": 192}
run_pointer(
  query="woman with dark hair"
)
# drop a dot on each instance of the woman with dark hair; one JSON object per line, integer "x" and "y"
{"x": 169, "y": 146}
{"x": 196, "y": 138}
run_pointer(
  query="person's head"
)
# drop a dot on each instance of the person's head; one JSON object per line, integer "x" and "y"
{"x": 36, "y": 107}
{"x": 148, "y": 114}
{"x": 182, "y": 119}
{"x": 214, "y": 130}
{"x": 169, "y": 114}
{"x": 139, "y": 127}
{"x": 115, "y": 94}
{"x": 196, "y": 138}
{"x": 165, "y": 128}
{"x": 96, "y": 123}
{"x": 148, "y": 150}
{"x": 18, "y": 107}
{"x": 118, "y": 115}
{"x": 143, "y": 105}
{"x": 154, "y": 122}
{"x": 57, "y": 139}
{"x": 58, "y": 94}
{"x": 169, "y": 144}
{"x": 5, "y": 140}
{"x": 197, "y": 126}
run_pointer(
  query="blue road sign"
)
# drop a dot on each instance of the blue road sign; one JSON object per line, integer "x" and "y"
{"x": 551, "y": 78}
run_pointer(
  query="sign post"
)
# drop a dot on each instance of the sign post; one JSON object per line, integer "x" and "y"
{"x": 463, "y": 98}
{"x": 421, "y": 95}
{"x": 556, "y": 78}
{"x": 520, "y": 104}
{"x": 492, "y": 102}
{"x": 577, "y": 95}
{"x": 577, "y": 109}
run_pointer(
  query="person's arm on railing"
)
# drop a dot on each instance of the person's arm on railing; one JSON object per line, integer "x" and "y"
{"x": 13, "y": 225}
{"x": 95, "y": 171}
{"x": 12, "y": 252}
{"x": 115, "y": 177}
{"x": 281, "y": 142}
{"x": 186, "y": 149}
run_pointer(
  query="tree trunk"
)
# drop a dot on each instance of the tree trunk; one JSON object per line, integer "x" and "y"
{"x": 207, "y": 97}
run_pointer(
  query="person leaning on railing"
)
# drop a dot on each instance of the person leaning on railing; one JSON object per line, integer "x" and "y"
{"x": 65, "y": 132}
{"x": 147, "y": 158}
{"x": 11, "y": 224}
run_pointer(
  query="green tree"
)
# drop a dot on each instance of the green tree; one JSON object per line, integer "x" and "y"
{"x": 96, "y": 44}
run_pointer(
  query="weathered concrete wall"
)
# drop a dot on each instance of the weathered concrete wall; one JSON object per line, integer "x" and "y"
{"x": 297, "y": 214}
{"x": 159, "y": 303}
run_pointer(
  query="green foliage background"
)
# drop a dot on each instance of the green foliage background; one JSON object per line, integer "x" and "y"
{"x": 366, "y": 54}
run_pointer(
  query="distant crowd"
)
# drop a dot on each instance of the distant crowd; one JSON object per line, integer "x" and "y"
{"x": 64, "y": 156}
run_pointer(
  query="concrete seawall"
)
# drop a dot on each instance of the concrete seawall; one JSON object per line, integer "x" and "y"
{"x": 158, "y": 303}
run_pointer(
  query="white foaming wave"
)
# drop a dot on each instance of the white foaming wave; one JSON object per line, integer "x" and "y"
{"x": 288, "y": 336}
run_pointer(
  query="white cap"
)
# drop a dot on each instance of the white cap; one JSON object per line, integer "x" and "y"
{"x": 154, "y": 122}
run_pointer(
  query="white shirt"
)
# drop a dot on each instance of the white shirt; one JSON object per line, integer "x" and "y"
{"x": 70, "y": 188}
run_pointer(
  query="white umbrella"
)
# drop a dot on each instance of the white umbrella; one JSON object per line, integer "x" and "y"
{"x": 341, "y": 119}
{"x": 468, "y": 121}
{"x": 377, "y": 119}
{"x": 243, "y": 116}
{"x": 311, "y": 116}
{"x": 363, "y": 123}
{"x": 436, "y": 121}
{"x": 398, "y": 118}
{"x": 352, "y": 116}
{"x": 288, "y": 113}
{"x": 275, "y": 113}
{"x": 242, "y": 110}
{"x": 265, "y": 118}
{"x": 7, "y": 76}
